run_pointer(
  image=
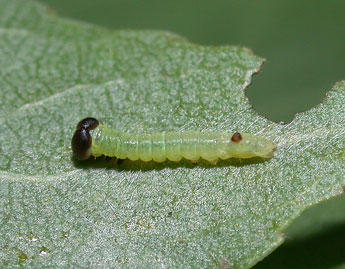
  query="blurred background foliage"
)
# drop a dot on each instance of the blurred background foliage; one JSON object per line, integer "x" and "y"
{"x": 304, "y": 44}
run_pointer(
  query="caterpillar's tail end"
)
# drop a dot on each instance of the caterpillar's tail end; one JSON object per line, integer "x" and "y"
{"x": 81, "y": 140}
{"x": 270, "y": 154}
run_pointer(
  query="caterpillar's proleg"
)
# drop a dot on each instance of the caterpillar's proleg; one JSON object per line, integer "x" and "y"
{"x": 214, "y": 162}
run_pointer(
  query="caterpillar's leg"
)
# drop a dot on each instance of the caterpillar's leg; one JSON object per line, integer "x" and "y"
{"x": 112, "y": 161}
{"x": 120, "y": 161}
{"x": 108, "y": 159}
{"x": 214, "y": 162}
{"x": 194, "y": 161}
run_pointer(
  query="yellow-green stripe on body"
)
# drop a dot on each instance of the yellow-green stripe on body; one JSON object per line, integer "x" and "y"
{"x": 191, "y": 145}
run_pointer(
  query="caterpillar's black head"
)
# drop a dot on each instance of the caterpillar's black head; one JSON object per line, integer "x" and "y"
{"x": 81, "y": 140}
{"x": 88, "y": 124}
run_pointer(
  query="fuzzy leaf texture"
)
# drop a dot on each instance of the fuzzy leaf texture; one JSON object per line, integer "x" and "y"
{"x": 55, "y": 212}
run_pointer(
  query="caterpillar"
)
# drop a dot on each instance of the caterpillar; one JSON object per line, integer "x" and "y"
{"x": 94, "y": 139}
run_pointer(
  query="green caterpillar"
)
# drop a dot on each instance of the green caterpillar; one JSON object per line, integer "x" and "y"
{"x": 93, "y": 139}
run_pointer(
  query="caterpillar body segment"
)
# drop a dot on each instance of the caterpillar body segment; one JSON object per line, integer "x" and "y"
{"x": 174, "y": 146}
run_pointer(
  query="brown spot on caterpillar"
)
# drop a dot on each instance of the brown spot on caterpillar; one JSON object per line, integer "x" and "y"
{"x": 236, "y": 137}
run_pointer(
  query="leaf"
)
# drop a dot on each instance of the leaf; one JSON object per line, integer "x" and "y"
{"x": 58, "y": 213}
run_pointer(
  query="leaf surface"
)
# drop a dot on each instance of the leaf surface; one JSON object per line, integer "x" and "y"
{"x": 57, "y": 212}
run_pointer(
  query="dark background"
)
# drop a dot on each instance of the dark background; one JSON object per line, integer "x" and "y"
{"x": 304, "y": 44}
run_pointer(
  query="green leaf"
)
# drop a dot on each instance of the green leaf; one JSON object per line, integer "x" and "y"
{"x": 56, "y": 212}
